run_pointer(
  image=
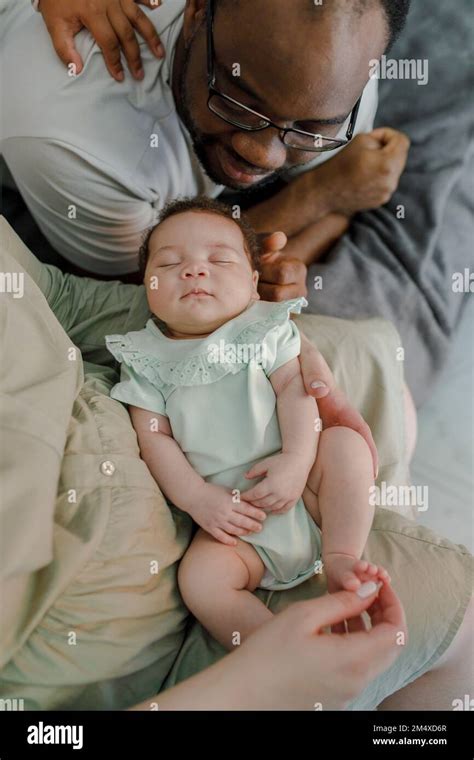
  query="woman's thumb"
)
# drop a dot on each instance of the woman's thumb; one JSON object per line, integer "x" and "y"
{"x": 343, "y": 605}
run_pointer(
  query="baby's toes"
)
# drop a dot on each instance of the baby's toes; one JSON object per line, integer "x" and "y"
{"x": 372, "y": 569}
{"x": 350, "y": 581}
{"x": 360, "y": 566}
{"x": 383, "y": 575}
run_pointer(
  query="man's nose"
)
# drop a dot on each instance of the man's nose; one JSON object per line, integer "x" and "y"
{"x": 263, "y": 149}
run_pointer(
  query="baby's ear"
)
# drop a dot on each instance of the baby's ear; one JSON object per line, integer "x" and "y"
{"x": 255, "y": 277}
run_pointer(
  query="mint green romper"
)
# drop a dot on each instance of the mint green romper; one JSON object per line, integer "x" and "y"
{"x": 222, "y": 410}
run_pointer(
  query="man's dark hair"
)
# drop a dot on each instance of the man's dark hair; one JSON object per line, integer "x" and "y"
{"x": 208, "y": 205}
{"x": 396, "y": 12}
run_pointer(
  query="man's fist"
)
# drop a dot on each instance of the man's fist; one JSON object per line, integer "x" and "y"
{"x": 366, "y": 173}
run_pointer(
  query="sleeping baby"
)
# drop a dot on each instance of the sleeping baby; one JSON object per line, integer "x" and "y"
{"x": 216, "y": 397}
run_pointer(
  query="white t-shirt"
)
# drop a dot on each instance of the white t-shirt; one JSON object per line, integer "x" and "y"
{"x": 95, "y": 159}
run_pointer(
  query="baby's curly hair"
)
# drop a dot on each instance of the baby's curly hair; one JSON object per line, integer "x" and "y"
{"x": 209, "y": 205}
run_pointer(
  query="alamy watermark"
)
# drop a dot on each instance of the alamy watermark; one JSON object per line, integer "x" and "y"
{"x": 12, "y": 705}
{"x": 12, "y": 282}
{"x": 399, "y": 496}
{"x": 402, "y": 68}
{"x": 237, "y": 353}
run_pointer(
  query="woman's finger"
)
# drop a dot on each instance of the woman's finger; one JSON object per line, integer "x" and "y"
{"x": 101, "y": 29}
{"x": 62, "y": 34}
{"x": 149, "y": 3}
{"x": 334, "y": 608}
{"x": 388, "y": 609}
{"x": 144, "y": 27}
{"x": 356, "y": 624}
{"x": 128, "y": 41}
{"x": 317, "y": 377}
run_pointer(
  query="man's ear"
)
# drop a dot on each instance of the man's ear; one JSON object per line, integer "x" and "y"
{"x": 194, "y": 14}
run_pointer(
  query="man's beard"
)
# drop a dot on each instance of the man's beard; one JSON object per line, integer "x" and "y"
{"x": 202, "y": 142}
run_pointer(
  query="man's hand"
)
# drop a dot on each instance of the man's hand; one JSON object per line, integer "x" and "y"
{"x": 366, "y": 173}
{"x": 112, "y": 23}
{"x": 222, "y": 517}
{"x": 334, "y": 408}
{"x": 282, "y": 485}
{"x": 282, "y": 277}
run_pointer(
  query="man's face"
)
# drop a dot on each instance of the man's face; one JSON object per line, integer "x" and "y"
{"x": 299, "y": 64}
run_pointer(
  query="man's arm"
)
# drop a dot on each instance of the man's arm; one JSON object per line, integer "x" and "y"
{"x": 364, "y": 175}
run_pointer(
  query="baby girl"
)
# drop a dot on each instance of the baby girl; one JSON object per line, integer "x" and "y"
{"x": 216, "y": 397}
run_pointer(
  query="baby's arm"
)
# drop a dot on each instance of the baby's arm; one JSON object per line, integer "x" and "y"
{"x": 209, "y": 505}
{"x": 297, "y": 414}
{"x": 287, "y": 473}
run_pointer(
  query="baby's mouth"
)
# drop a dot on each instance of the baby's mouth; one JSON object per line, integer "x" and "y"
{"x": 197, "y": 293}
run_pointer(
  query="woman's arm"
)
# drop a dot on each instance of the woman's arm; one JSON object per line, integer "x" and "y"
{"x": 291, "y": 663}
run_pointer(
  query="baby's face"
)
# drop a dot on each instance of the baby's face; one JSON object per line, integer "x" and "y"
{"x": 198, "y": 274}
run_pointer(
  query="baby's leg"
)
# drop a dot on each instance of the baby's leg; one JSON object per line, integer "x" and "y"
{"x": 216, "y": 582}
{"x": 337, "y": 497}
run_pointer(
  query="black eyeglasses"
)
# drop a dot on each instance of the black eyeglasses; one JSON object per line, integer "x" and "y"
{"x": 235, "y": 113}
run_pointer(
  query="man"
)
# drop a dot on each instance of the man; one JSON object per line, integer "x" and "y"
{"x": 95, "y": 184}
{"x": 396, "y": 263}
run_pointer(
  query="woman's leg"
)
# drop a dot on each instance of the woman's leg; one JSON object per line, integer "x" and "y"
{"x": 216, "y": 582}
{"x": 449, "y": 679}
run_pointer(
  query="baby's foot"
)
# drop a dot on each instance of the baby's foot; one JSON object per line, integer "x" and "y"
{"x": 346, "y": 572}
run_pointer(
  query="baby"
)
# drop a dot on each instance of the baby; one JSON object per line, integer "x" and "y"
{"x": 216, "y": 397}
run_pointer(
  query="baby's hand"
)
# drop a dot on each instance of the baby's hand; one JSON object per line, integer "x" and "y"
{"x": 223, "y": 516}
{"x": 346, "y": 572}
{"x": 282, "y": 486}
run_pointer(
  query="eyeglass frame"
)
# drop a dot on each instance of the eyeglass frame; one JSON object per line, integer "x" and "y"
{"x": 283, "y": 131}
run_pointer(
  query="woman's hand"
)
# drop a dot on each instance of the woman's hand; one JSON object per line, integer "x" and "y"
{"x": 291, "y": 663}
{"x": 224, "y": 515}
{"x": 315, "y": 667}
{"x": 334, "y": 408}
{"x": 112, "y": 23}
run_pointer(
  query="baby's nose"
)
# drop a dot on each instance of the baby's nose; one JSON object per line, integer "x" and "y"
{"x": 196, "y": 270}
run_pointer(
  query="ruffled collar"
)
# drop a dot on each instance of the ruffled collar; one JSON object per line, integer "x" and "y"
{"x": 168, "y": 362}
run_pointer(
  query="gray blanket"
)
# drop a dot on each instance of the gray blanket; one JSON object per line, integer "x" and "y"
{"x": 402, "y": 269}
